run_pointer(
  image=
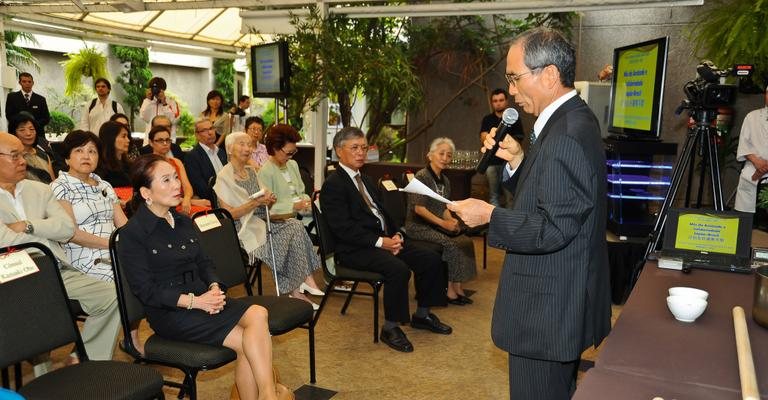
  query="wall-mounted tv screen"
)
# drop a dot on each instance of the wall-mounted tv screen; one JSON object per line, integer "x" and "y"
{"x": 637, "y": 89}
{"x": 270, "y": 70}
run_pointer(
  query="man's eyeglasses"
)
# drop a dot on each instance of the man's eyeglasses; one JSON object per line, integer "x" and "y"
{"x": 290, "y": 153}
{"x": 15, "y": 156}
{"x": 513, "y": 78}
{"x": 358, "y": 147}
{"x": 162, "y": 141}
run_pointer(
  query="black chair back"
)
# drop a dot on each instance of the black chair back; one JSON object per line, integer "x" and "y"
{"x": 223, "y": 246}
{"x": 394, "y": 202}
{"x": 214, "y": 198}
{"x": 34, "y": 313}
{"x": 325, "y": 242}
{"x": 131, "y": 309}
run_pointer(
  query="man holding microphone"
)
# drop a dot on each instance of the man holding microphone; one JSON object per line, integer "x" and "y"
{"x": 553, "y": 299}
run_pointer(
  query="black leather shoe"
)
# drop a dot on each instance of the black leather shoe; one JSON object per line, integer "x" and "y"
{"x": 431, "y": 323}
{"x": 457, "y": 301}
{"x": 465, "y": 299}
{"x": 396, "y": 339}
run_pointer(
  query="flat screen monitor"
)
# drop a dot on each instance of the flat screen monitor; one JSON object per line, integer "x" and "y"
{"x": 270, "y": 70}
{"x": 637, "y": 89}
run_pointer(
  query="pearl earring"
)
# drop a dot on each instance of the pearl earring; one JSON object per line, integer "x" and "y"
{"x": 148, "y": 201}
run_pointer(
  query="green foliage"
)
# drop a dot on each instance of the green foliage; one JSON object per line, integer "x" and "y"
{"x": 60, "y": 123}
{"x": 185, "y": 126}
{"x": 135, "y": 77}
{"x": 336, "y": 57}
{"x": 88, "y": 62}
{"x": 224, "y": 80}
{"x": 71, "y": 105}
{"x": 732, "y": 32}
{"x": 762, "y": 198}
{"x": 16, "y": 56}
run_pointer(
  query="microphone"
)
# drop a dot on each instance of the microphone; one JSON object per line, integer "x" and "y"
{"x": 507, "y": 120}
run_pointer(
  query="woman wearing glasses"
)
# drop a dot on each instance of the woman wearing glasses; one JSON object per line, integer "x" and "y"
{"x": 236, "y": 185}
{"x": 280, "y": 173}
{"x": 254, "y": 127}
{"x": 160, "y": 141}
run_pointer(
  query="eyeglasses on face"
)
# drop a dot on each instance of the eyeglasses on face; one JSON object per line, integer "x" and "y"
{"x": 290, "y": 153}
{"x": 15, "y": 156}
{"x": 513, "y": 78}
{"x": 162, "y": 141}
{"x": 358, "y": 147}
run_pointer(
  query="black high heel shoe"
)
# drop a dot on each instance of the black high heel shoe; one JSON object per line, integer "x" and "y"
{"x": 457, "y": 301}
{"x": 464, "y": 299}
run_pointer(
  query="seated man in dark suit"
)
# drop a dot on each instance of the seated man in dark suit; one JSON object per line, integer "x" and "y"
{"x": 162, "y": 120}
{"x": 367, "y": 239}
{"x": 205, "y": 160}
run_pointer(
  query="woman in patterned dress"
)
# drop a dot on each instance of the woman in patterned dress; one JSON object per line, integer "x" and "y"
{"x": 93, "y": 205}
{"x": 295, "y": 258}
{"x": 429, "y": 220}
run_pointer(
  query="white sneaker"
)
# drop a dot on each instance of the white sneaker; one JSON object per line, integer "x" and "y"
{"x": 304, "y": 288}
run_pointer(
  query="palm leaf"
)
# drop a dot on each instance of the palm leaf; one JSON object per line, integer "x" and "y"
{"x": 16, "y": 56}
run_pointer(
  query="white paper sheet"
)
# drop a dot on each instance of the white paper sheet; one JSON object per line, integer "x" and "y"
{"x": 415, "y": 186}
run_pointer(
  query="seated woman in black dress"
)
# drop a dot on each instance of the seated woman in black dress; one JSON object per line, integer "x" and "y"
{"x": 177, "y": 284}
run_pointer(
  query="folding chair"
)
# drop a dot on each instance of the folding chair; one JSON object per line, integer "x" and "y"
{"x": 340, "y": 273}
{"x": 190, "y": 358}
{"x": 38, "y": 320}
{"x": 285, "y": 313}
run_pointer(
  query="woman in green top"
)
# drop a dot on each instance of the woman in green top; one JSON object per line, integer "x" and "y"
{"x": 280, "y": 173}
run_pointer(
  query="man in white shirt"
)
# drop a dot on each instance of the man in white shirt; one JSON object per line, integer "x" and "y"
{"x": 753, "y": 150}
{"x": 98, "y": 110}
{"x": 157, "y": 103}
{"x": 30, "y": 213}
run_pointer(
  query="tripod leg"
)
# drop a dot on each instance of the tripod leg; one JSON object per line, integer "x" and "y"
{"x": 714, "y": 169}
{"x": 677, "y": 175}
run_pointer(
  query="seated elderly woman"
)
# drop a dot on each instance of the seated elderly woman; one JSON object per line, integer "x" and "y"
{"x": 94, "y": 207}
{"x": 38, "y": 158}
{"x": 429, "y": 220}
{"x": 280, "y": 173}
{"x": 160, "y": 140}
{"x": 295, "y": 259}
{"x": 178, "y": 285}
{"x": 254, "y": 127}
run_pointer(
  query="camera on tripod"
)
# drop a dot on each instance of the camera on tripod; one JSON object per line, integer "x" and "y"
{"x": 706, "y": 91}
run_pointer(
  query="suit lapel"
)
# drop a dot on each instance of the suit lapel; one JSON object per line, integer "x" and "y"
{"x": 534, "y": 151}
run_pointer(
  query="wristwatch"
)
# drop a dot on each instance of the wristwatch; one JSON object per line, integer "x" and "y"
{"x": 29, "y": 229}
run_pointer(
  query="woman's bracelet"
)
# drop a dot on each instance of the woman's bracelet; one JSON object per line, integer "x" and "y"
{"x": 191, "y": 300}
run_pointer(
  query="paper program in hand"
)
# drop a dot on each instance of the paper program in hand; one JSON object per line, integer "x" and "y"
{"x": 415, "y": 186}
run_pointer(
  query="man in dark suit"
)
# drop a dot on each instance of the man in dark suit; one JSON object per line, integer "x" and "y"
{"x": 26, "y": 100}
{"x": 553, "y": 299}
{"x": 205, "y": 160}
{"x": 367, "y": 239}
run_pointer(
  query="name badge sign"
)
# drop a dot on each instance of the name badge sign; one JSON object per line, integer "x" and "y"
{"x": 16, "y": 265}
{"x": 207, "y": 222}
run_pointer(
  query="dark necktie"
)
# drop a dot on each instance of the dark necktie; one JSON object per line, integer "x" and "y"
{"x": 361, "y": 189}
{"x": 26, "y": 98}
{"x": 532, "y": 136}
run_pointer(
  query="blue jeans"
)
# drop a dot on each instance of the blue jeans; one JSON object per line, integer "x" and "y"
{"x": 495, "y": 189}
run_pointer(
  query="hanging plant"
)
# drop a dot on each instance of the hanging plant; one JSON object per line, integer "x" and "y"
{"x": 17, "y": 56}
{"x": 88, "y": 62}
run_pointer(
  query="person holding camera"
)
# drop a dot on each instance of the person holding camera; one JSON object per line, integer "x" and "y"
{"x": 241, "y": 113}
{"x": 157, "y": 103}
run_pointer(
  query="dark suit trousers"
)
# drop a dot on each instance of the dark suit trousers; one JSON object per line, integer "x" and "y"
{"x": 430, "y": 279}
{"x": 531, "y": 379}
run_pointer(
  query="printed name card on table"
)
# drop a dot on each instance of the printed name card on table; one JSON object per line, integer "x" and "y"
{"x": 207, "y": 222}
{"x": 389, "y": 185}
{"x": 16, "y": 265}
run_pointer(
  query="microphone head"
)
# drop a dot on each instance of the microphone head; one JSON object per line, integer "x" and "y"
{"x": 510, "y": 116}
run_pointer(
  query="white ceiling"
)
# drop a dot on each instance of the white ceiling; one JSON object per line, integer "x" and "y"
{"x": 222, "y": 28}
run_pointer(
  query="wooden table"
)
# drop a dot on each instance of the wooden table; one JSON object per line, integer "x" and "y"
{"x": 461, "y": 179}
{"x": 655, "y": 354}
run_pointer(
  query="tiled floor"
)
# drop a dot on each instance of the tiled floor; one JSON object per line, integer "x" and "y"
{"x": 464, "y": 365}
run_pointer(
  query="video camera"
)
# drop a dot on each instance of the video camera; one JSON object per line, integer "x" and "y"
{"x": 706, "y": 91}
{"x": 155, "y": 89}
